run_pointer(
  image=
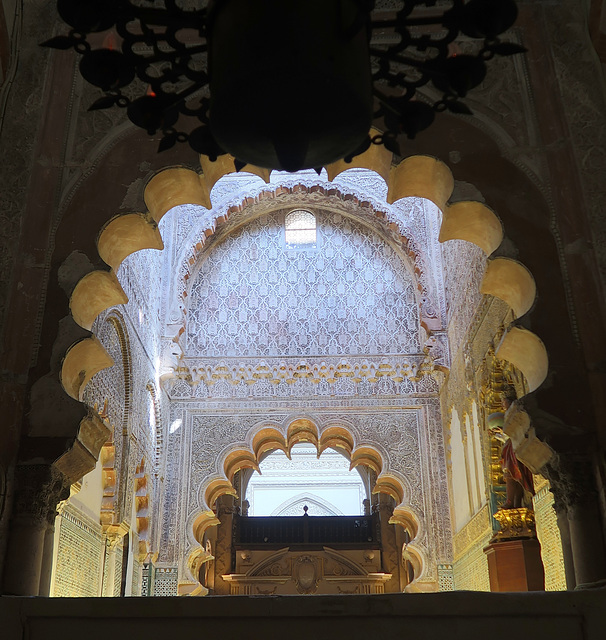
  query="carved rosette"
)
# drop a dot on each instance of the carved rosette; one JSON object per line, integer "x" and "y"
{"x": 515, "y": 523}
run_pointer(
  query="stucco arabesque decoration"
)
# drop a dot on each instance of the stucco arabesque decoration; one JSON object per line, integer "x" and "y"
{"x": 409, "y": 441}
{"x": 200, "y": 380}
{"x": 391, "y": 396}
{"x": 415, "y": 218}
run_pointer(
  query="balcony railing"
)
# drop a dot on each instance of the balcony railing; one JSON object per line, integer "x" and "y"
{"x": 307, "y": 531}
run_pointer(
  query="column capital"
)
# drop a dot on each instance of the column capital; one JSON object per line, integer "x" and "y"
{"x": 385, "y": 504}
{"x": 38, "y": 490}
{"x": 572, "y": 479}
{"x": 114, "y": 534}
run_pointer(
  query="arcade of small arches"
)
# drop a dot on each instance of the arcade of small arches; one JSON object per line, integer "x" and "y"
{"x": 218, "y": 338}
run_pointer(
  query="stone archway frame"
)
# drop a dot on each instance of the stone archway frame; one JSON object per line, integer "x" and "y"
{"x": 416, "y": 176}
{"x": 266, "y": 439}
{"x": 111, "y": 468}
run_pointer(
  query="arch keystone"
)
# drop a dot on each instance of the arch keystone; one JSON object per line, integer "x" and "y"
{"x": 421, "y": 177}
{"x": 95, "y": 292}
{"x": 526, "y": 351}
{"x": 125, "y": 234}
{"x": 376, "y": 158}
{"x": 512, "y": 282}
{"x": 82, "y": 361}
{"x": 173, "y": 187}
{"x": 473, "y": 222}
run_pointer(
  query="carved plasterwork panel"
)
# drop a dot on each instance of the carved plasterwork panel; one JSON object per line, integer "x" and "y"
{"x": 412, "y": 224}
{"x": 464, "y": 266}
{"x": 253, "y": 296}
{"x": 409, "y": 440}
{"x": 246, "y": 378}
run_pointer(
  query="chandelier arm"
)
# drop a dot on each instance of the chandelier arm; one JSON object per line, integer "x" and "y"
{"x": 393, "y": 57}
{"x": 385, "y": 101}
{"x": 186, "y": 93}
{"x": 166, "y": 56}
{"x": 437, "y": 20}
{"x": 156, "y": 17}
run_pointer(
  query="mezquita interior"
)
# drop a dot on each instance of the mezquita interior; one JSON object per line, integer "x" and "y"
{"x": 384, "y": 378}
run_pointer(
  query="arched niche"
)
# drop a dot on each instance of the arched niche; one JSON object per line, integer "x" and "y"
{"x": 110, "y": 392}
{"x": 253, "y": 296}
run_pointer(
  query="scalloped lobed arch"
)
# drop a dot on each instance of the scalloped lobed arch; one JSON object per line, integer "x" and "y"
{"x": 417, "y": 176}
{"x": 265, "y": 439}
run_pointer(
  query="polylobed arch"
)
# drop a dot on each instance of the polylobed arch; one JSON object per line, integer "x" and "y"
{"x": 266, "y": 439}
{"x": 417, "y": 176}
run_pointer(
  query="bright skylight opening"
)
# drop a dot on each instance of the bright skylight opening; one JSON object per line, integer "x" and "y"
{"x": 300, "y": 229}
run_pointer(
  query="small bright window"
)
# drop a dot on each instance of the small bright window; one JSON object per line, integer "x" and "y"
{"x": 300, "y": 229}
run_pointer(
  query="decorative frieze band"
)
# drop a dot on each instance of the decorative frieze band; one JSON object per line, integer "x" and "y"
{"x": 395, "y": 375}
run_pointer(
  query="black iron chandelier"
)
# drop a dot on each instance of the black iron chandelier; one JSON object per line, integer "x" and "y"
{"x": 284, "y": 84}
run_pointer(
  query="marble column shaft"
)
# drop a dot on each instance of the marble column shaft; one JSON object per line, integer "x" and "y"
{"x": 38, "y": 489}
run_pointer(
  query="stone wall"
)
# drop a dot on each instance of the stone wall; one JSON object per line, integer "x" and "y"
{"x": 470, "y": 567}
{"x": 549, "y": 537}
{"x": 79, "y": 560}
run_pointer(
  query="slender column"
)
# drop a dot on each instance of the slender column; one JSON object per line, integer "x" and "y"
{"x": 575, "y": 483}
{"x": 390, "y": 552}
{"x": 587, "y": 542}
{"x": 46, "y": 569}
{"x": 38, "y": 489}
{"x": 226, "y": 509}
{"x": 113, "y": 539}
{"x": 109, "y": 570}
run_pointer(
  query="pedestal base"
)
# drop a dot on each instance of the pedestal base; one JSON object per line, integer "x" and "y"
{"x": 515, "y": 565}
